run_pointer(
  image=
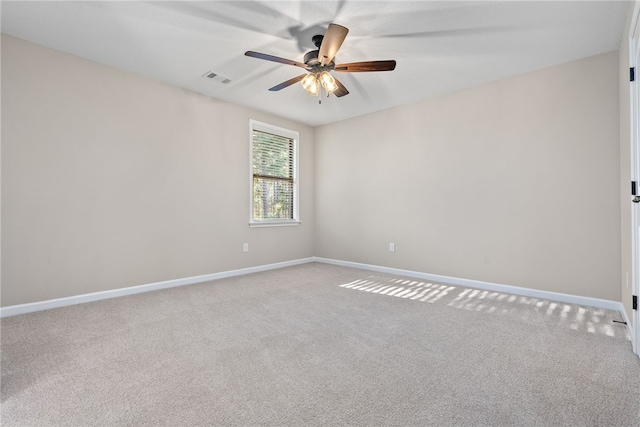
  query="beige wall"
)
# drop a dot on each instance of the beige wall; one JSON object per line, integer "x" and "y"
{"x": 110, "y": 180}
{"x": 515, "y": 182}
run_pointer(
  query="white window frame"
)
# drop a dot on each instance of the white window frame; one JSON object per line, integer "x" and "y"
{"x": 286, "y": 133}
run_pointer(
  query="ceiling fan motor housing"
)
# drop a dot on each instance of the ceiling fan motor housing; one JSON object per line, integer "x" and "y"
{"x": 311, "y": 59}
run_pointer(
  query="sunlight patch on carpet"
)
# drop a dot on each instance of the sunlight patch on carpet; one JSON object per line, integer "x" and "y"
{"x": 589, "y": 319}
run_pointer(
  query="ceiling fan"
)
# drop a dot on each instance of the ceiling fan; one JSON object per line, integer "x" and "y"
{"x": 319, "y": 64}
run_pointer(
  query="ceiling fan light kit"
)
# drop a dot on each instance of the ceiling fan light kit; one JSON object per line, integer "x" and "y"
{"x": 319, "y": 64}
{"x": 328, "y": 82}
{"x": 312, "y": 81}
{"x": 311, "y": 84}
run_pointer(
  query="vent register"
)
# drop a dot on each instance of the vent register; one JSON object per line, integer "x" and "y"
{"x": 216, "y": 77}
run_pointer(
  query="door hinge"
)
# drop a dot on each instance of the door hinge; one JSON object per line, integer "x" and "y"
{"x": 635, "y": 302}
{"x": 632, "y": 74}
{"x": 634, "y": 188}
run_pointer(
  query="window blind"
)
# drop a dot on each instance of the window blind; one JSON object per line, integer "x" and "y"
{"x": 273, "y": 176}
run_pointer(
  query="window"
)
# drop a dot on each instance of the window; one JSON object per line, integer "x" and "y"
{"x": 274, "y": 180}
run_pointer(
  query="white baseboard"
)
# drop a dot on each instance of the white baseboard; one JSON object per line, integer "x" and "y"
{"x": 13, "y": 310}
{"x": 96, "y": 296}
{"x": 528, "y": 292}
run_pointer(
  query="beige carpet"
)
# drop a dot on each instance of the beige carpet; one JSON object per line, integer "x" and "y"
{"x": 318, "y": 344}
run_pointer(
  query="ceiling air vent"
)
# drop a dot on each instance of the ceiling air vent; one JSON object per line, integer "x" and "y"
{"x": 216, "y": 77}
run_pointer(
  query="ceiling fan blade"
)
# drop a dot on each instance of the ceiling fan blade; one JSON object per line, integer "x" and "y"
{"x": 341, "y": 91}
{"x": 331, "y": 42}
{"x": 287, "y": 83}
{"x": 274, "y": 59}
{"x": 360, "y": 67}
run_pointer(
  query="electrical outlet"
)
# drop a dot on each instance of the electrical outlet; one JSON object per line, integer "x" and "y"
{"x": 392, "y": 247}
{"x": 245, "y": 247}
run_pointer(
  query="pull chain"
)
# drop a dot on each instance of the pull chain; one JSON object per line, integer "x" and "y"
{"x": 320, "y": 95}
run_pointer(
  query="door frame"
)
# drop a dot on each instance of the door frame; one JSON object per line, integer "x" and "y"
{"x": 634, "y": 98}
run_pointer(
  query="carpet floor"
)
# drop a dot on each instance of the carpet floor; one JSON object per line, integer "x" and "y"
{"x": 319, "y": 345}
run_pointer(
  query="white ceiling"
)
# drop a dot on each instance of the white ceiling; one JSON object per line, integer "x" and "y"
{"x": 440, "y": 47}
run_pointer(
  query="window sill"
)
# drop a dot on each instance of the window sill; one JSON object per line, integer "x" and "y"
{"x": 274, "y": 223}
